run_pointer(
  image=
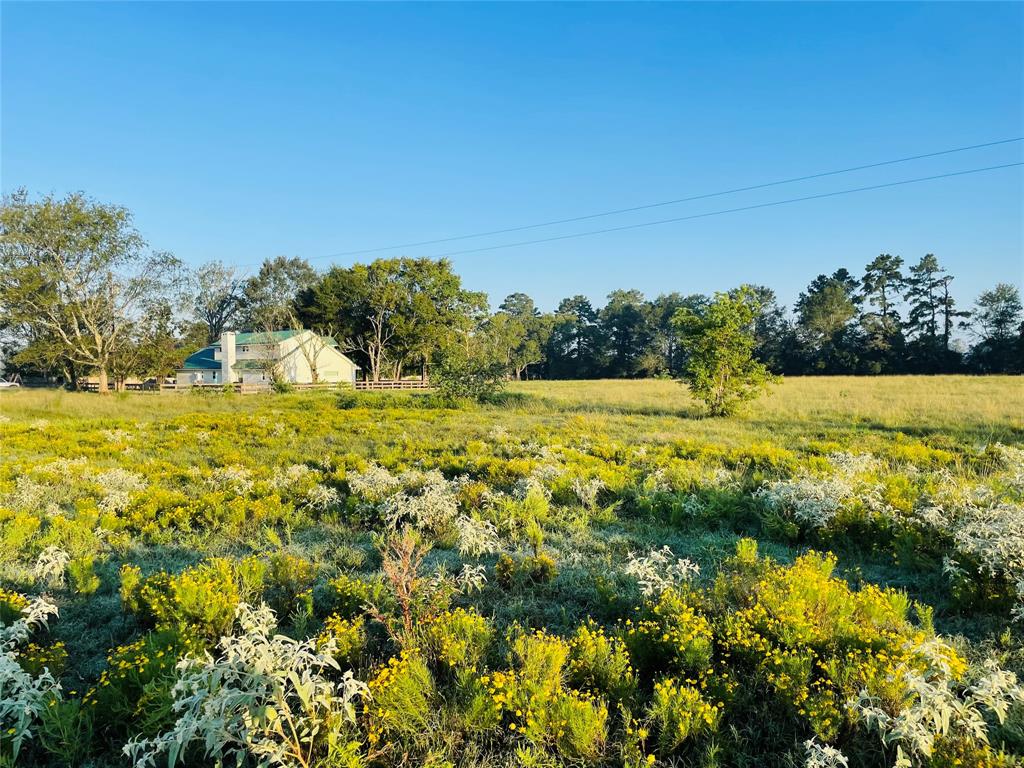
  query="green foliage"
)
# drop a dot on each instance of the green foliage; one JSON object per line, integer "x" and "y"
{"x": 83, "y": 575}
{"x": 199, "y": 601}
{"x": 475, "y": 375}
{"x": 719, "y": 344}
{"x": 458, "y": 639}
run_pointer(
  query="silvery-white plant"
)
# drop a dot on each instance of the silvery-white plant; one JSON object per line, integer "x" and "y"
{"x": 118, "y": 485}
{"x": 265, "y": 698}
{"x": 28, "y": 495}
{"x": 117, "y": 435}
{"x": 320, "y": 498}
{"x": 471, "y": 579}
{"x": 433, "y": 506}
{"x": 375, "y": 484}
{"x": 234, "y": 479}
{"x": 812, "y": 501}
{"x": 823, "y": 756}
{"x": 659, "y": 570}
{"x": 850, "y": 464}
{"x": 23, "y": 696}
{"x": 476, "y": 537}
{"x": 587, "y": 491}
{"x": 286, "y": 477}
{"x": 50, "y": 565}
{"x": 934, "y": 705}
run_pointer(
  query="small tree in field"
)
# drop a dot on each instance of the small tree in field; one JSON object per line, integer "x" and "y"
{"x": 718, "y": 341}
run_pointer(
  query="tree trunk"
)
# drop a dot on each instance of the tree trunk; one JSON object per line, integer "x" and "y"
{"x": 101, "y": 376}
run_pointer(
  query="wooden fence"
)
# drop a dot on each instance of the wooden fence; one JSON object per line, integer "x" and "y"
{"x": 248, "y": 389}
{"x": 394, "y": 384}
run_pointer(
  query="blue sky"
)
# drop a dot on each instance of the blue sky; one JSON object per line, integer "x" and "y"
{"x": 242, "y": 131}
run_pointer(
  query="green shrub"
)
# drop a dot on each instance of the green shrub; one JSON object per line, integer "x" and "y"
{"x": 459, "y": 639}
{"x": 350, "y": 594}
{"x": 679, "y": 712}
{"x": 402, "y": 703}
{"x": 198, "y": 601}
{"x": 600, "y": 664}
{"x": 348, "y": 636}
{"x": 83, "y": 575}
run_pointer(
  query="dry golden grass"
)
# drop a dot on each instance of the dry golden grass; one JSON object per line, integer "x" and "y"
{"x": 982, "y": 406}
{"x": 974, "y": 409}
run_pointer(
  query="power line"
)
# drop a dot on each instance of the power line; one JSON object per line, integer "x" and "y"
{"x": 724, "y": 211}
{"x": 663, "y": 203}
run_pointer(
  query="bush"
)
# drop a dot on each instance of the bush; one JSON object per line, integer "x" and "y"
{"x": 133, "y": 694}
{"x": 600, "y": 664}
{"x": 458, "y": 639}
{"x": 264, "y": 696}
{"x": 402, "y": 696}
{"x": 83, "y": 575}
{"x": 198, "y": 601}
{"x": 679, "y": 712}
{"x": 347, "y": 637}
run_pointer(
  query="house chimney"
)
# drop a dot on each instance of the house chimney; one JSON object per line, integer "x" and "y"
{"x": 227, "y": 356}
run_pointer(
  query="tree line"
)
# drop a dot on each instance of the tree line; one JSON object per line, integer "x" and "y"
{"x": 82, "y": 294}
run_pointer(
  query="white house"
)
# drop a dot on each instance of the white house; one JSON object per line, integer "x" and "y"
{"x": 255, "y": 358}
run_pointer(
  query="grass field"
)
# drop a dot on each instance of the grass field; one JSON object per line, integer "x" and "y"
{"x": 845, "y": 563}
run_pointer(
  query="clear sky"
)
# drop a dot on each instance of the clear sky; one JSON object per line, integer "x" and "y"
{"x": 242, "y": 131}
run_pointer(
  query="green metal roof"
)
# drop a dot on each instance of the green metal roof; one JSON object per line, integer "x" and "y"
{"x": 204, "y": 360}
{"x": 261, "y": 337}
{"x": 201, "y": 360}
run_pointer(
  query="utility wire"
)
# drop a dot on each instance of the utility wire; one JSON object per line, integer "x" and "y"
{"x": 648, "y": 206}
{"x": 726, "y": 210}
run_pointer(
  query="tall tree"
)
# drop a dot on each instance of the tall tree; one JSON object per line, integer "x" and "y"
{"x": 825, "y": 311}
{"x": 389, "y": 312}
{"x": 218, "y": 296}
{"x": 574, "y": 349}
{"x": 268, "y": 298}
{"x": 626, "y": 333}
{"x": 931, "y": 317}
{"x": 998, "y": 323}
{"x": 526, "y": 332}
{"x": 883, "y": 284}
{"x": 77, "y": 272}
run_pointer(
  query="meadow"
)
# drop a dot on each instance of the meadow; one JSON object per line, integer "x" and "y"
{"x": 579, "y": 574}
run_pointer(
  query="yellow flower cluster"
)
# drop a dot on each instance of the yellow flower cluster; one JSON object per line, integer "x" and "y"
{"x": 349, "y": 636}
{"x": 681, "y": 710}
{"x": 458, "y": 638}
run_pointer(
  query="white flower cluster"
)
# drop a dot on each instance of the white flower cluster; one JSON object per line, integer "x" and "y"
{"x": 23, "y": 696}
{"x": 935, "y": 706}
{"x": 659, "y": 570}
{"x": 265, "y": 697}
